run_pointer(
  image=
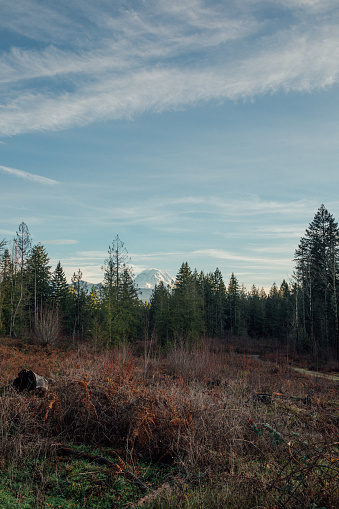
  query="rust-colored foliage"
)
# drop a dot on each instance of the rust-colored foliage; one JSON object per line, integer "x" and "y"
{"x": 194, "y": 409}
{"x": 16, "y": 355}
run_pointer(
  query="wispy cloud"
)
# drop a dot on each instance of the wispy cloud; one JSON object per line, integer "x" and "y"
{"x": 35, "y": 20}
{"x": 252, "y": 204}
{"x": 60, "y": 242}
{"x": 166, "y": 211}
{"x": 158, "y": 56}
{"x": 94, "y": 255}
{"x": 227, "y": 255}
{"x": 246, "y": 217}
{"x": 38, "y": 179}
{"x": 312, "y": 5}
{"x": 281, "y": 232}
{"x": 6, "y": 232}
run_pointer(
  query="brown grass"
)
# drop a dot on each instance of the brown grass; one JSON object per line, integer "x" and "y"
{"x": 195, "y": 409}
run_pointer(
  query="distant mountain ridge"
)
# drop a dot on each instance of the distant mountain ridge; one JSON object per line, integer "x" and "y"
{"x": 145, "y": 282}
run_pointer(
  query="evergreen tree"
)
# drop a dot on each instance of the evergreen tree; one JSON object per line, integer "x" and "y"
{"x": 94, "y": 299}
{"x": 95, "y": 311}
{"x": 114, "y": 266}
{"x": 79, "y": 306}
{"x": 60, "y": 294}
{"x": 6, "y": 287}
{"x": 207, "y": 288}
{"x": 187, "y": 304}
{"x": 59, "y": 287}
{"x": 215, "y": 303}
{"x": 243, "y": 302}
{"x": 272, "y": 311}
{"x": 160, "y": 316}
{"x": 120, "y": 301}
{"x": 256, "y": 313}
{"x": 233, "y": 305}
{"x": 316, "y": 274}
{"x": 38, "y": 276}
{"x": 127, "y": 321}
{"x": 286, "y": 311}
{"x": 2, "y": 245}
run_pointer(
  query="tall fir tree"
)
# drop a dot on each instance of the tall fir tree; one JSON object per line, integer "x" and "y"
{"x": 6, "y": 288}
{"x": 160, "y": 315}
{"x": 114, "y": 266}
{"x": 317, "y": 275}
{"x": 256, "y": 306}
{"x": 128, "y": 318}
{"x": 61, "y": 297}
{"x": 59, "y": 287}
{"x": 187, "y": 304}
{"x": 120, "y": 295}
{"x": 38, "y": 276}
{"x": 219, "y": 298}
{"x": 214, "y": 294}
{"x": 79, "y": 306}
{"x": 233, "y": 305}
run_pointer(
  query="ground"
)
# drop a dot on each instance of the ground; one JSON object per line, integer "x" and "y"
{"x": 214, "y": 424}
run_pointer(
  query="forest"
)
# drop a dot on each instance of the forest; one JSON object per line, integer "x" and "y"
{"x": 197, "y": 399}
{"x": 38, "y": 302}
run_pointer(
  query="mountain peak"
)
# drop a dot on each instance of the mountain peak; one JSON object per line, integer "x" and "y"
{"x": 150, "y": 277}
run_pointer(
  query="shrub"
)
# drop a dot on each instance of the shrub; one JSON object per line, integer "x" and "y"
{"x": 47, "y": 326}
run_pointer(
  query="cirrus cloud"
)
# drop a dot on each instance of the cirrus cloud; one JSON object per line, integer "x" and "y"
{"x": 158, "y": 57}
{"x": 38, "y": 179}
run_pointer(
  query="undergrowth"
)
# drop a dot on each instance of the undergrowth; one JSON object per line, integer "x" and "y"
{"x": 201, "y": 426}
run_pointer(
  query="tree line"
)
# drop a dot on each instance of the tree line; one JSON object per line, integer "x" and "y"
{"x": 34, "y": 300}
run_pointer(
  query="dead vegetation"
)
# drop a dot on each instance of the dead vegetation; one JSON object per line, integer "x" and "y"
{"x": 197, "y": 409}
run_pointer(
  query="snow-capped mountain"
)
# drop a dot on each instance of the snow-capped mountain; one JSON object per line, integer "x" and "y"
{"x": 147, "y": 279}
{"x": 150, "y": 277}
{"x": 89, "y": 286}
{"x": 145, "y": 282}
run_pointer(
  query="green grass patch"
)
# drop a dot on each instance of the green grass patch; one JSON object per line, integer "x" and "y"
{"x": 69, "y": 483}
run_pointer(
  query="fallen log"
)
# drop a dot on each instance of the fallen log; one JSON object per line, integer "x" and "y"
{"x": 268, "y": 398}
{"x": 28, "y": 380}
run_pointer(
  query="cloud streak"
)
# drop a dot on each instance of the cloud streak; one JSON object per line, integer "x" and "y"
{"x": 60, "y": 242}
{"x": 226, "y": 255}
{"x": 170, "y": 212}
{"x": 38, "y": 179}
{"x": 159, "y": 57}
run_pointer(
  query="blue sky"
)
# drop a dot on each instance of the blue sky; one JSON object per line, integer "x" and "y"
{"x": 197, "y": 131}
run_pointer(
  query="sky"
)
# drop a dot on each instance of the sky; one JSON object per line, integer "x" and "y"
{"x": 198, "y": 131}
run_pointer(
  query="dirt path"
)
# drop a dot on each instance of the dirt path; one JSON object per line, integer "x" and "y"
{"x": 316, "y": 373}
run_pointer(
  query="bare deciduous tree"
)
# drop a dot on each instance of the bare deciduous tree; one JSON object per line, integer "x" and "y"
{"x": 47, "y": 326}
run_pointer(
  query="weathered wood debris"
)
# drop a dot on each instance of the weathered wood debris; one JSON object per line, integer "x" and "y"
{"x": 29, "y": 381}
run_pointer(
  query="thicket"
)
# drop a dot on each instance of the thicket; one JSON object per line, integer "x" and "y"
{"x": 302, "y": 313}
{"x": 202, "y": 426}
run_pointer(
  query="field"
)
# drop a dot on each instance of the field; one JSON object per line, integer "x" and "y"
{"x": 212, "y": 425}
